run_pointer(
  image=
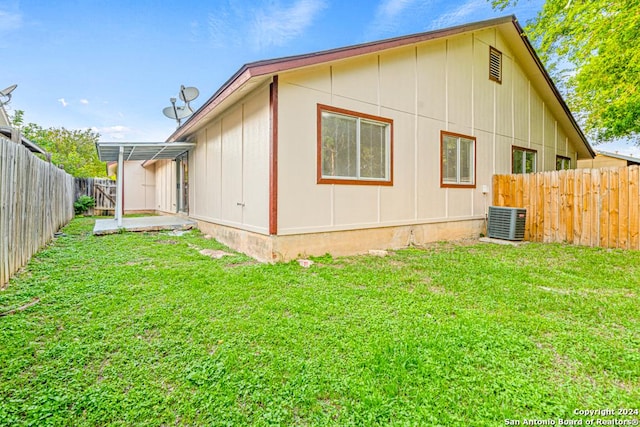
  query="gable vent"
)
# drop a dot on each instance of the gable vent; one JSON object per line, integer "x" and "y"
{"x": 495, "y": 64}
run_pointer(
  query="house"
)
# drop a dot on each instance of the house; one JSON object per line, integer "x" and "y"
{"x": 13, "y": 134}
{"x": 4, "y": 117}
{"x": 138, "y": 182}
{"x": 374, "y": 146}
{"x": 606, "y": 159}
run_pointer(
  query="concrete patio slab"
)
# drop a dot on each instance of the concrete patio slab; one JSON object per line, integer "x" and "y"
{"x": 143, "y": 223}
{"x": 503, "y": 242}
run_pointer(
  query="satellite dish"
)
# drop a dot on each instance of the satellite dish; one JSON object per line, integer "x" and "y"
{"x": 178, "y": 113}
{"x": 6, "y": 93}
{"x": 188, "y": 94}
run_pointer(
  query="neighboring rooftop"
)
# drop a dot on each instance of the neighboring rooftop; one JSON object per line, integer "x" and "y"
{"x": 14, "y": 135}
{"x": 619, "y": 156}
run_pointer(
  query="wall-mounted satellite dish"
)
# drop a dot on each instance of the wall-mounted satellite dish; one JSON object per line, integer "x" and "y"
{"x": 180, "y": 112}
{"x": 5, "y": 94}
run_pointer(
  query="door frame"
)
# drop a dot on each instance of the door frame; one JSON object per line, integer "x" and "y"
{"x": 182, "y": 184}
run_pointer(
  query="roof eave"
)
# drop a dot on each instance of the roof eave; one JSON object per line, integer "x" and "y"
{"x": 553, "y": 87}
{"x": 275, "y": 66}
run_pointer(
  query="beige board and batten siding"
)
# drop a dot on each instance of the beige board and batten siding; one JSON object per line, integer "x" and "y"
{"x": 229, "y": 167}
{"x": 166, "y": 186}
{"x": 434, "y": 86}
{"x": 139, "y": 187}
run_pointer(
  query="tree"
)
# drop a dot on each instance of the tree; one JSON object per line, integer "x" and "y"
{"x": 72, "y": 150}
{"x": 592, "y": 48}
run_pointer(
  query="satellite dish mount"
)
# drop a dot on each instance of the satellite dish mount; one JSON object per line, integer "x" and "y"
{"x": 5, "y": 95}
{"x": 180, "y": 112}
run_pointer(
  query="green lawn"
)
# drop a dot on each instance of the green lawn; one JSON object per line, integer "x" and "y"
{"x": 141, "y": 329}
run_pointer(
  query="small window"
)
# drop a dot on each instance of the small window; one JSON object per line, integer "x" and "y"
{"x": 523, "y": 160}
{"x": 495, "y": 64}
{"x": 563, "y": 163}
{"x": 458, "y": 160}
{"x": 353, "y": 148}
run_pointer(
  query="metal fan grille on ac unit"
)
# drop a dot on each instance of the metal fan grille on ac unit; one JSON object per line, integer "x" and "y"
{"x": 506, "y": 223}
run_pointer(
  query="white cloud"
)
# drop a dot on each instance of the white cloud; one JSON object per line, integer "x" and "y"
{"x": 464, "y": 13}
{"x": 63, "y": 102}
{"x": 118, "y": 132}
{"x": 277, "y": 25}
{"x": 84, "y": 101}
{"x": 10, "y": 20}
{"x": 262, "y": 25}
{"x": 222, "y": 31}
{"x": 389, "y": 9}
{"x": 394, "y": 15}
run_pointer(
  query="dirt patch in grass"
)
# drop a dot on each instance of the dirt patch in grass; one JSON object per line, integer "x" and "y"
{"x": 167, "y": 242}
{"x": 213, "y": 253}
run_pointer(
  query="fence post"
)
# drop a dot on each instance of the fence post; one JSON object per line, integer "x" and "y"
{"x": 32, "y": 205}
{"x": 594, "y": 207}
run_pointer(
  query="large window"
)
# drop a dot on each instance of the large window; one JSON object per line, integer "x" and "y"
{"x": 353, "y": 148}
{"x": 458, "y": 160}
{"x": 523, "y": 160}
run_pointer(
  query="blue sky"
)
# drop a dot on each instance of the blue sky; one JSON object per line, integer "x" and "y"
{"x": 112, "y": 65}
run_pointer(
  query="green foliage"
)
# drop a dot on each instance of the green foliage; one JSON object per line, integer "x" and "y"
{"x": 142, "y": 329}
{"x": 17, "y": 119}
{"x": 599, "y": 40}
{"x": 83, "y": 204}
{"x": 72, "y": 150}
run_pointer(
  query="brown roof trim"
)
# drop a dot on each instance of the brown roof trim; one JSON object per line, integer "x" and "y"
{"x": 231, "y": 85}
{"x": 287, "y": 63}
{"x": 274, "y": 66}
{"x": 552, "y": 85}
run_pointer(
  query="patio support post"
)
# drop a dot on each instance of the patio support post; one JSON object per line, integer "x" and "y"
{"x": 119, "y": 194}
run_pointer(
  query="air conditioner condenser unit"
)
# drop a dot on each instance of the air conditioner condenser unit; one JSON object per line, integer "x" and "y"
{"x": 506, "y": 223}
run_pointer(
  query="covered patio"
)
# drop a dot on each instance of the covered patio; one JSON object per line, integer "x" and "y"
{"x": 132, "y": 151}
{"x": 143, "y": 223}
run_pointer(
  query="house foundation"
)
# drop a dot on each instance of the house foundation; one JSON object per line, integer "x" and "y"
{"x": 340, "y": 243}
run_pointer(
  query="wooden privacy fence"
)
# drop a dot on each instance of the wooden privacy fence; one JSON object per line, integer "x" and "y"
{"x": 103, "y": 190}
{"x": 591, "y": 207}
{"x": 36, "y": 199}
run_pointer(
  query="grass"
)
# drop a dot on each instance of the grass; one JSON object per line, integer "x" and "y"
{"x": 141, "y": 329}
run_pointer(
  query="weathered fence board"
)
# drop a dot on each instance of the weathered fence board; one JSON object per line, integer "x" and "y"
{"x": 103, "y": 190}
{"x": 590, "y": 207}
{"x": 36, "y": 199}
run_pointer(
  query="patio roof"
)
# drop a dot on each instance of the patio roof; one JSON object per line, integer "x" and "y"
{"x": 108, "y": 151}
{"x": 123, "y": 151}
